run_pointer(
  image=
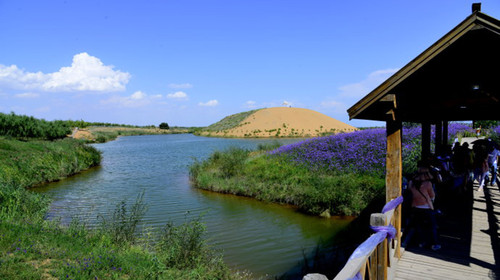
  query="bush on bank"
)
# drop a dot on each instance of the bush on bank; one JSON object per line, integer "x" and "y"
{"x": 270, "y": 178}
{"x": 32, "y": 162}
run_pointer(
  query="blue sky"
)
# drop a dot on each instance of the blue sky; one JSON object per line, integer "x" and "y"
{"x": 191, "y": 63}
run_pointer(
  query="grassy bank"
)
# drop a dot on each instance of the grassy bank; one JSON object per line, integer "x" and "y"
{"x": 34, "y": 248}
{"x": 31, "y": 162}
{"x": 276, "y": 179}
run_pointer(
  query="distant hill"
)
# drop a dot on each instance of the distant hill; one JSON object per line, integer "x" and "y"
{"x": 277, "y": 122}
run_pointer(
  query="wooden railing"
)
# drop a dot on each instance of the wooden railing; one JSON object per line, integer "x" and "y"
{"x": 374, "y": 258}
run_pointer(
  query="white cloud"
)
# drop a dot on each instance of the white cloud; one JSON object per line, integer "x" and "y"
{"x": 210, "y": 103}
{"x": 250, "y": 104}
{"x": 362, "y": 88}
{"x": 138, "y": 95}
{"x": 335, "y": 106}
{"x": 179, "y": 86}
{"x": 177, "y": 95}
{"x": 27, "y": 95}
{"x": 86, "y": 73}
{"x": 137, "y": 99}
{"x": 349, "y": 94}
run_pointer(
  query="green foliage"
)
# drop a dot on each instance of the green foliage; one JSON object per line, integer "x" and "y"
{"x": 411, "y": 124}
{"x": 269, "y": 146}
{"x": 229, "y": 122}
{"x": 183, "y": 246}
{"x": 122, "y": 225}
{"x": 229, "y": 162}
{"x": 486, "y": 124}
{"x": 16, "y": 202}
{"x": 28, "y": 163}
{"x": 29, "y": 127}
{"x": 164, "y": 125}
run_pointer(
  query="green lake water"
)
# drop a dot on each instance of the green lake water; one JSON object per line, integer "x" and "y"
{"x": 263, "y": 238}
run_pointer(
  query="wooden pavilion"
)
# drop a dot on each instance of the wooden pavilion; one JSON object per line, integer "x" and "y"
{"x": 455, "y": 79}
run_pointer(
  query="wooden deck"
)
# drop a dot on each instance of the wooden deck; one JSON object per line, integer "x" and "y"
{"x": 469, "y": 234}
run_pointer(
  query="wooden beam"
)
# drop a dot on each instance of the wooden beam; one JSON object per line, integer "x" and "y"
{"x": 390, "y": 98}
{"x": 394, "y": 171}
{"x": 438, "y": 141}
{"x": 391, "y": 114}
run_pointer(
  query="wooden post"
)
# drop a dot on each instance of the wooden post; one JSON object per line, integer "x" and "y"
{"x": 394, "y": 172}
{"x": 439, "y": 138}
{"x": 426, "y": 140}
{"x": 379, "y": 219}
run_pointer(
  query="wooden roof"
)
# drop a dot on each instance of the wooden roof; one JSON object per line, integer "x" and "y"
{"x": 457, "y": 78}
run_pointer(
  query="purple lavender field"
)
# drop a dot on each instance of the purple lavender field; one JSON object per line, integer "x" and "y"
{"x": 360, "y": 152}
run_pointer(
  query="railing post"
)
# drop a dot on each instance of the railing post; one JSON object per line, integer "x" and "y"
{"x": 379, "y": 219}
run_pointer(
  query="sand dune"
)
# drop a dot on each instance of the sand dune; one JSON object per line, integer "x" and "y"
{"x": 285, "y": 122}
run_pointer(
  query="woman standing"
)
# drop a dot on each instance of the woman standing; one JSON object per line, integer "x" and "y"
{"x": 423, "y": 215}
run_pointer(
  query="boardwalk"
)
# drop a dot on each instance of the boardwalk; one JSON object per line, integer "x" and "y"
{"x": 469, "y": 233}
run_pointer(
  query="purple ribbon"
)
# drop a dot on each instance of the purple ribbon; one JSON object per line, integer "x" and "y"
{"x": 392, "y": 204}
{"x": 389, "y": 230}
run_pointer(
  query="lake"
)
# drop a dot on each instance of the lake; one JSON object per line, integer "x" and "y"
{"x": 262, "y": 238}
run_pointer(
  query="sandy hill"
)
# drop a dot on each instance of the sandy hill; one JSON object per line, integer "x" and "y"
{"x": 277, "y": 122}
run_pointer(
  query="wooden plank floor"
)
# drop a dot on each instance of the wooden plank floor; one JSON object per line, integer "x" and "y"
{"x": 469, "y": 234}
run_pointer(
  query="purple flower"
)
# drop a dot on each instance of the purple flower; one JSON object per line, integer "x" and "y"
{"x": 362, "y": 152}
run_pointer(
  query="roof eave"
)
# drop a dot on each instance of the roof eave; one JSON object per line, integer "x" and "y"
{"x": 467, "y": 24}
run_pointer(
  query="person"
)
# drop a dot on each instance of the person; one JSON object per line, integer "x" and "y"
{"x": 423, "y": 214}
{"x": 481, "y": 167}
{"x": 468, "y": 157}
{"x": 493, "y": 164}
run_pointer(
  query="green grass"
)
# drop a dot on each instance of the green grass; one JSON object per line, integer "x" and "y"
{"x": 34, "y": 248}
{"x": 28, "y": 163}
{"x": 267, "y": 178}
{"x": 228, "y": 122}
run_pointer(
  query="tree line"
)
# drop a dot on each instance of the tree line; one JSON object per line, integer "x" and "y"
{"x": 20, "y": 126}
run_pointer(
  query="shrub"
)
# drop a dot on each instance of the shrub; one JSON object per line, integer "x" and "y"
{"x": 269, "y": 146}
{"x": 182, "y": 246}
{"x": 16, "y": 202}
{"x": 122, "y": 225}
{"x": 230, "y": 162}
